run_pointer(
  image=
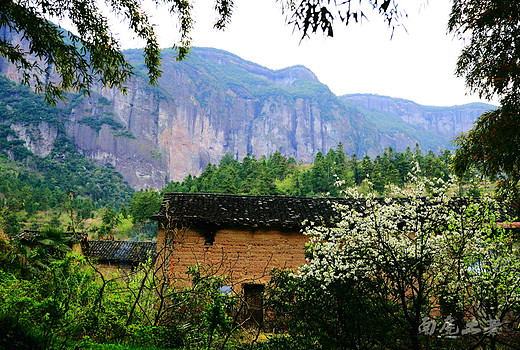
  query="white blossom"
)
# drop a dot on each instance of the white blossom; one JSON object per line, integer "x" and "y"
{"x": 409, "y": 236}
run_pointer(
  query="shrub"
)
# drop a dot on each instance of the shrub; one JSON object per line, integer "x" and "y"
{"x": 18, "y": 335}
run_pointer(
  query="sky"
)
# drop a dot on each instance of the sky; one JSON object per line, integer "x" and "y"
{"x": 417, "y": 62}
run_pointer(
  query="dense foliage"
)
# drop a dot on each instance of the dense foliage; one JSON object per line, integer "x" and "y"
{"x": 44, "y": 184}
{"x": 144, "y": 204}
{"x": 489, "y": 59}
{"x": 405, "y": 272}
{"x": 31, "y": 183}
{"x": 491, "y": 147}
{"x": 20, "y": 105}
{"x": 490, "y": 64}
{"x": 278, "y": 174}
{"x": 52, "y": 299}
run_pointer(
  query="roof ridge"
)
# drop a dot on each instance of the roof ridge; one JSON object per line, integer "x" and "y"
{"x": 265, "y": 210}
{"x": 199, "y": 194}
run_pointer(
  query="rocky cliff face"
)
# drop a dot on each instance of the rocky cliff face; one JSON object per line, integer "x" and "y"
{"x": 216, "y": 103}
{"x": 402, "y": 123}
{"x": 203, "y": 110}
{"x": 129, "y": 138}
{"x": 449, "y": 121}
{"x": 39, "y": 139}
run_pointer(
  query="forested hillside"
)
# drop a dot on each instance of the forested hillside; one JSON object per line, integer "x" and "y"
{"x": 39, "y": 164}
{"x": 326, "y": 176}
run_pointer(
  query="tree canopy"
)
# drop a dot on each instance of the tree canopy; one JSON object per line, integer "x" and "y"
{"x": 329, "y": 172}
{"x": 93, "y": 52}
{"x": 490, "y": 59}
{"x": 492, "y": 147}
{"x": 490, "y": 63}
{"x": 74, "y": 61}
{"x": 144, "y": 204}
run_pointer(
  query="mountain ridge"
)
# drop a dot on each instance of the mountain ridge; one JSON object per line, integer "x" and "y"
{"x": 215, "y": 103}
{"x": 473, "y": 104}
{"x": 410, "y": 121}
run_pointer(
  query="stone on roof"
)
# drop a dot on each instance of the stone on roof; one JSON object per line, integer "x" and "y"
{"x": 31, "y": 235}
{"x": 27, "y": 235}
{"x": 245, "y": 210}
{"x": 121, "y": 252}
{"x": 267, "y": 211}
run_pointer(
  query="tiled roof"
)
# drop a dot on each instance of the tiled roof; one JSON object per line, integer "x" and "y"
{"x": 246, "y": 210}
{"x": 219, "y": 209}
{"x": 30, "y": 235}
{"x": 121, "y": 252}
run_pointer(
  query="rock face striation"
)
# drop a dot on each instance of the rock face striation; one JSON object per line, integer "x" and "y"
{"x": 216, "y": 103}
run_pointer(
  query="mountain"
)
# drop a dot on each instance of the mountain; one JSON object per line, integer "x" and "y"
{"x": 402, "y": 123}
{"x": 215, "y": 103}
{"x": 39, "y": 164}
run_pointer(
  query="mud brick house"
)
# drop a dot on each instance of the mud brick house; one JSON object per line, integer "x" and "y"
{"x": 237, "y": 236}
{"x": 122, "y": 256}
{"x": 241, "y": 237}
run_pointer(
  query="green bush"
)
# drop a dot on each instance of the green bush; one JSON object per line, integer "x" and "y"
{"x": 18, "y": 335}
{"x": 56, "y": 299}
{"x": 339, "y": 317}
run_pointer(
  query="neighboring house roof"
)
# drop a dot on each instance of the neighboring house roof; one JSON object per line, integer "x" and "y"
{"x": 31, "y": 235}
{"x": 121, "y": 252}
{"x": 28, "y": 235}
{"x": 247, "y": 210}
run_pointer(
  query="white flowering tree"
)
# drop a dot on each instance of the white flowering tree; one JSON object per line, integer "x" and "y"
{"x": 419, "y": 257}
{"x": 479, "y": 277}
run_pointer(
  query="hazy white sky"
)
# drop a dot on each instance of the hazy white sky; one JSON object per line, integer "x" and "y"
{"x": 417, "y": 63}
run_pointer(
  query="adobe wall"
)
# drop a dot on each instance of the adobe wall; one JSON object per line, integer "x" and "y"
{"x": 112, "y": 270}
{"x": 242, "y": 255}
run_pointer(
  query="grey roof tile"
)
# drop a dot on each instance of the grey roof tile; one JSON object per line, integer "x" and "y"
{"x": 247, "y": 210}
{"x": 122, "y": 252}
